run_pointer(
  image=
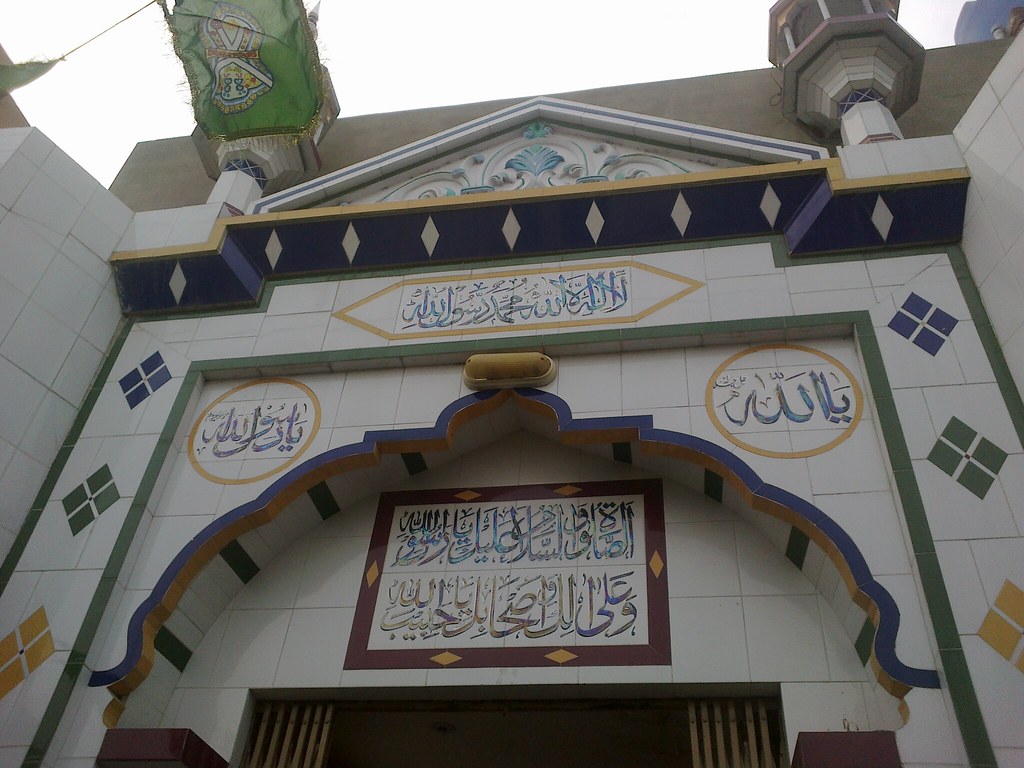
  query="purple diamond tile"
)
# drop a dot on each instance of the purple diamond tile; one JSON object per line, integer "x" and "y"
{"x": 903, "y": 325}
{"x": 943, "y": 322}
{"x": 929, "y": 342}
{"x": 917, "y": 306}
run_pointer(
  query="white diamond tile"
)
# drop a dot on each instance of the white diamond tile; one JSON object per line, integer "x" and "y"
{"x": 273, "y": 249}
{"x": 510, "y": 229}
{"x": 681, "y": 215}
{"x": 177, "y": 283}
{"x": 595, "y": 222}
{"x": 430, "y": 236}
{"x": 882, "y": 218}
{"x": 350, "y": 242}
{"x": 770, "y": 205}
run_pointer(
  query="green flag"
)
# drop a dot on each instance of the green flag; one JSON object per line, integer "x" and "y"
{"x": 16, "y": 75}
{"x": 252, "y": 67}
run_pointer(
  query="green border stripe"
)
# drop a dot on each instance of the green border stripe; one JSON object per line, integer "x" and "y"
{"x": 172, "y": 649}
{"x": 61, "y": 459}
{"x": 240, "y": 562}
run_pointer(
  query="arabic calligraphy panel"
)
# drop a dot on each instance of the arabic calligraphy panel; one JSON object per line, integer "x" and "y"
{"x": 513, "y": 574}
{"x": 784, "y": 388}
{"x": 525, "y": 299}
{"x": 254, "y": 431}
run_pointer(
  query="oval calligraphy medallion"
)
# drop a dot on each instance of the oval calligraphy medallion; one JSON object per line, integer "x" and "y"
{"x": 254, "y": 431}
{"x": 784, "y": 401}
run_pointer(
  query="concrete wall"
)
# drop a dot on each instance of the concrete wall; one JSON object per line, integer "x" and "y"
{"x": 58, "y": 307}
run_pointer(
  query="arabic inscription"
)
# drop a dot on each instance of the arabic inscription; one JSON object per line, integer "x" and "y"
{"x": 763, "y": 391}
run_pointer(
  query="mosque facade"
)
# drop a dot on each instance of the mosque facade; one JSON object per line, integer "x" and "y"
{"x": 611, "y": 427}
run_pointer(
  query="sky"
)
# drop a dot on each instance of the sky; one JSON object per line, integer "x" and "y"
{"x": 128, "y": 86}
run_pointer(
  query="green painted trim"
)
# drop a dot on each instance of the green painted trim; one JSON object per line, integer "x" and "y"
{"x": 172, "y": 649}
{"x": 61, "y": 459}
{"x": 989, "y": 342}
{"x": 714, "y": 485}
{"x": 865, "y": 638}
{"x": 622, "y": 452}
{"x": 119, "y": 553}
{"x": 783, "y": 258}
{"x": 239, "y": 561}
{"x": 796, "y": 547}
{"x": 958, "y": 677}
{"x": 414, "y": 463}
{"x": 324, "y": 500}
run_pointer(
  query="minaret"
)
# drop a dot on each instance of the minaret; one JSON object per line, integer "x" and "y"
{"x": 847, "y": 65}
{"x": 248, "y": 168}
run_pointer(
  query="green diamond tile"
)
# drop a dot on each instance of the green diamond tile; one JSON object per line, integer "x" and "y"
{"x": 975, "y": 479}
{"x": 98, "y": 479}
{"x": 945, "y": 458}
{"x": 989, "y": 455}
{"x": 105, "y": 498}
{"x": 80, "y": 520}
{"x": 865, "y": 639}
{"x": 75, "y": 500}
{"x": 959, "y": 434}
{"x": 796, "y": 548}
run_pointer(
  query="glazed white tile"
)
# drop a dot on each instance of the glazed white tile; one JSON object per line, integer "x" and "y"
{"x": 976, "y": 116}
{"x": 15, "y": 174}
{"x": 907, "y": 365}
{"x": 228, "y": 327}
{"x": 930, "y": 736}
{"x": 22, "y": 397}
{"x": 833, "y": 301}
{"x": 899, "y": 271}
{"x": 95, "y": 235}
{"x": 38, "y": 343}
{"x": 998, "y": 560}
{"x": 216, "y": 715}
{"x": 425, "y": 392}
{"x": 11, "y": 302}
{"x": 81, "y": 731}
{"x": 314, "y": 648}
{"x": 708, "y": 640}
{"x": 956, "y": 513}
{"x": 764, "y": 570}
{"x": 653, "y": 379}
{"x": 251, "y": 648}
{"x": 66, "y": 596}
{"x": 739, "y": 260}
{"x": 33, "y": 695}
{"x": 77, "y": 373}
{"x": 590, "y": 383}
{"x": 980, "y": 406}
{"x": 963, "y": 584}
{"x": 46, "y": 202}
{"x": 52, "y": 545}
{"x": 186, "y": 492}
{"x": 202, "y": 665}
{"x": 916, "y": 422}
{"x": 104, "y": 319}
{"x": 1010, "y": 758}
{"x": 294, "y": 333}
{"x": 1011, "y": 481}
{"x": 831, "y": 471}
{"x": 277, "y": 585}
{"x": 816, "y": 707}
{"x": 872, "y": 521}
{"x": 702, "y": 559}
{"x": 735, "y": 298}
{"x": 308, "y": 297}
{"x": 843, "y": 662}
{"x": 369, "y": 398}
{"x": 784, "y": 639}
{"x": 828, "y": 277}
{"x": 165, "y": 538}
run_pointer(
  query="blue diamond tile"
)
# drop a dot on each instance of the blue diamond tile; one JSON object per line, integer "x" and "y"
{"x": 130, "y": 380}
{"x": 903, "y": 325}
{"x": 917, "y": 306}
{"x": 943, "y": 322}
{"x": 136, "y": 396}
{"x": 159, "y": 378}
{"x": 929, "y": 342}
{"x": 151, "y": 363}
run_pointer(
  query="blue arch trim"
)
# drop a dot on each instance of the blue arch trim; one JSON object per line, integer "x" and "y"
{"x": 640, "y": 428}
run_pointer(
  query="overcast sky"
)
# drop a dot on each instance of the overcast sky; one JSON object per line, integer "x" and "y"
{"x": 383, "y": 56}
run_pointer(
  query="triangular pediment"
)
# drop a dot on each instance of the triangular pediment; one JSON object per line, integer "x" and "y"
{"x": 540, "y": 143}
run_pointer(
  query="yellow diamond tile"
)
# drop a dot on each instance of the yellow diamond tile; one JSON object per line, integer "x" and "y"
{"x": 10, "y": 677}
{"x": 560, "y": 656}
{"x": 1011, "y": 602}
{"x": 446, "y": 658}
{"x": 467, "y": 495}
{"x": 567, "y": 490}
{"x": 657, "y": 564}
{"x": 372, "y": 573}
{"x": 8, "y": 649}
{"x": 33, "y": 626}
{"x": 39, "y": 651}
{"x": 1000, "y": 634}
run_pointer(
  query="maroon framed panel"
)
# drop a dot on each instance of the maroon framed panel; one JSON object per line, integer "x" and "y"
{"x": 562, "y": 574}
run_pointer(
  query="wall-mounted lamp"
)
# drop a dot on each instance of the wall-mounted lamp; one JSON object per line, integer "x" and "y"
{"x": 503, "y": 370}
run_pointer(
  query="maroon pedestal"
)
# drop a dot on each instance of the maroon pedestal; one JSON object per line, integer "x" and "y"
{"x": 847, "y": 749}
{"x": 156, "y": 748}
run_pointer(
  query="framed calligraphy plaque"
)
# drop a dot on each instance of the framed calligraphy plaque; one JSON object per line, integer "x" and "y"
{"x": 522, "y": 576}
{"x": 784, "y": 388}
{"x": 254, "y": 431}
